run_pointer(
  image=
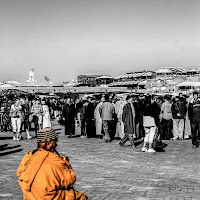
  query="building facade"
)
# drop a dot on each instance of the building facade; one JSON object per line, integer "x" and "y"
{"x": 89, "y": 80}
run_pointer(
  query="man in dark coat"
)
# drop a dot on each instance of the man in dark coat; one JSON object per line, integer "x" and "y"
{"x": 68, "y": 113}
{"x": 90, "y": 121}
{"x": 194, "y": 116}
{"x": 179, "y": 110}
{"x": 139, "y": 105}
{"x": 83, "y": 118}
{"x": 128, "y": 118}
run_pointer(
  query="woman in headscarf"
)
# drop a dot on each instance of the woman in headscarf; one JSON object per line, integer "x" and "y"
{"x": 46, "y": 114}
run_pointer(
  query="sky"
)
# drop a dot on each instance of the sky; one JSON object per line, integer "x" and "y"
{"x": 65, "y": 38}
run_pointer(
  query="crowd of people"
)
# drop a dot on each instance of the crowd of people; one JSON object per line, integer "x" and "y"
{"x": 123, "y": 117}
{"x": 133, "y": 117}
{"x": 19, "y": 113}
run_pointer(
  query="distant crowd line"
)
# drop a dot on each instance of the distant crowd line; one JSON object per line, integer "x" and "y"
{"x": 123, "y": 117}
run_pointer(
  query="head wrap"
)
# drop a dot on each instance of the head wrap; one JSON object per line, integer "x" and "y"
{"x": 46, "y": 135}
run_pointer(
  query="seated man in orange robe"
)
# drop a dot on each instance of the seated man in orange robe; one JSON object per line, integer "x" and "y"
{"x": 45, "y": 175}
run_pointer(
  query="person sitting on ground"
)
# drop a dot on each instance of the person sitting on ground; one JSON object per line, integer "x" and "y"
{"x": 46, "y": 175}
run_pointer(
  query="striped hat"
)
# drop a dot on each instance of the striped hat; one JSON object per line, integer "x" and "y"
{"x": 46, "y": 135}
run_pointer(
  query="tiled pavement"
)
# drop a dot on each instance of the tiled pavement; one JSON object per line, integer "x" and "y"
{"x": 106, "y": 171}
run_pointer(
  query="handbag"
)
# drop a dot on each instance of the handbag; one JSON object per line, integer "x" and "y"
{"x": 157, "y": 143}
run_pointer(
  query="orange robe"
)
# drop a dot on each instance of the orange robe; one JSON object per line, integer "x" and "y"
{"x": 44, "y": 176}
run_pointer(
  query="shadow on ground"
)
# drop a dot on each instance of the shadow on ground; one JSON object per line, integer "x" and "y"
{"x": 6, "y": 138}
{"x": 10, "y": 152}
{"x": 5, "y": 147}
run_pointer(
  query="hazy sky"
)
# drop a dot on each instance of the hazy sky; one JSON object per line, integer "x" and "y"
{"x": 64, "y": 38}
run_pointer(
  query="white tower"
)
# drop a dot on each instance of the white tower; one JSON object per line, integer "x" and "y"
{"x": 31, "y": 79}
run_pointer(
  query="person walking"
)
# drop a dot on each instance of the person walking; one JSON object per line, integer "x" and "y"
{"x": 119, "y": 116}
{"x": 78, "y": 105}
{"x": 83, "y": 118}
{"x": 16, "y": 119}
{"x": 90, "y": 121}
{"x": 46, "y": 119}
{"x": 5, "y": 119}
{"x": 128, "y": 118}
{"x": 150, "y": 122}
{"x": 138, "y": 120}
{"x": 194, "y": 116}
{"x": 187, "y": 129}
{"x": 106, "y": 112}
{"x": 139, "y": 125}
{"x": 166, "y": 123}
{"x": 97, "y": 116}
{"x": 56, "y": 108}
{"x": 26, "y": 110}
{"x": 179, "y": 110}
{"x": 36, "y": 114}
{"x": 68, "y": 114}
{"x": 117, "y": 106}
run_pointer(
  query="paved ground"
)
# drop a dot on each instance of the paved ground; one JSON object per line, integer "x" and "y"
{"x": 108, "y": 171}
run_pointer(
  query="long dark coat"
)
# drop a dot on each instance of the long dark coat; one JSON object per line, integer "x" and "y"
{"x": 89, "y": 115}
{"x": 128, "y": 119}
{"x": 68, "y": 113}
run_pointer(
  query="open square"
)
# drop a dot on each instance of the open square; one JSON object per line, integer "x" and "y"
{"x": 108, "y": 171}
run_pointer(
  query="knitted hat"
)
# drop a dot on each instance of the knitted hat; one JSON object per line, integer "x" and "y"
{"x": 46, "y": 135}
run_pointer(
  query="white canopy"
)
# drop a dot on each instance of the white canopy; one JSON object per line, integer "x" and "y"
{"x": 103, "y": 85}
{"x": 13, "y": 82}
{"x": 104, "y": 77}
{"x": 193, "y": 70}
{"x": 6, "y": 85}
{"x": 118, "y": 77}
{"x": 194, "y": 84}
{"x": 163, "y": 70}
